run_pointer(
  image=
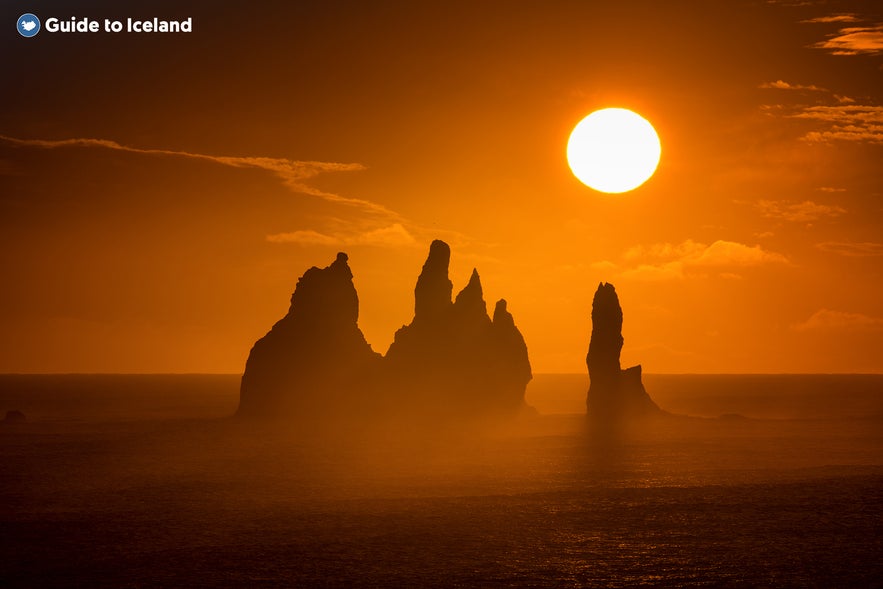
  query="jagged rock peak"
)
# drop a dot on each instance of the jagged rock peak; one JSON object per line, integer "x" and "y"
{"x": 432, "y": 295}
{"x": 501, "y": 315}
{"x": 311, "y": 359}
{"x": 471, "y": 298}
{"x": 327, "y": 294}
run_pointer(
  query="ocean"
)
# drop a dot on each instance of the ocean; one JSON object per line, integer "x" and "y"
{"x": 146, "y": 481}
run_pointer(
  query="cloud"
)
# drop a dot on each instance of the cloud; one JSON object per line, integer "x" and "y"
{"x": 731, "y": 253}
{"x": 304, "y": 237}
{"x": 827, "y": 320}
{"x": 391, "y": 236}
{"x": 831, "y": 189}
{"x": 845, "y": 122}
{"x": 655, "y": 273}
{"x": 852, "y": 249}
{"x": 866, "y": 40}
{"x": 293, "y": 173}
{"x": 801, "y": 212}
{"x": 603, "y": 265}
{"x": 675, "y": 261}
{"x": 781, "y": 85}
{"x": 664, "y": 250}
{"x": 832, "y": 18}
{"x": 795, "y": 3}
{"x": 849, "y": 113}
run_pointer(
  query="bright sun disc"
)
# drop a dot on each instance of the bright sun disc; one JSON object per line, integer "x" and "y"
{"x": 613, "y": 150}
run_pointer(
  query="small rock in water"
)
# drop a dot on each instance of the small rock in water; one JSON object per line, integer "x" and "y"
{"x": 14, "y": 416}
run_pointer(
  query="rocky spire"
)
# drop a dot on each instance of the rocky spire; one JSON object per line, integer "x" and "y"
{"x": 432, "y": 295}
{"x": 470, "y": 300}
{"x": 613, "y": 393}
{"x": 606, "y": 343}
{"x": 452, "y": 360}
{"x": 512, "y": 362}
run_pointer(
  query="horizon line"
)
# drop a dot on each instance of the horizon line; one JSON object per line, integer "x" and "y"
{"x": 535, "y": 375}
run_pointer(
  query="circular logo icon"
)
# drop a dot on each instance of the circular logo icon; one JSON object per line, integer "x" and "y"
{"x": 28, "y": 25}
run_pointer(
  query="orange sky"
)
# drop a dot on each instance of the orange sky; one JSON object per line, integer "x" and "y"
{"x": 161, "y": 194}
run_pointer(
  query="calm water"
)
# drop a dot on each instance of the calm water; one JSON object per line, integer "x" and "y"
{"x": 143, "y": 481}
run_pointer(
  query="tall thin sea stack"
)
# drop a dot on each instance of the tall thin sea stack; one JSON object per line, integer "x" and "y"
{"x": 613, "y": 393}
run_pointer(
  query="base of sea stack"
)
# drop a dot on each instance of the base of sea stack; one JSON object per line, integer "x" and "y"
{"x": 621, "y": 398}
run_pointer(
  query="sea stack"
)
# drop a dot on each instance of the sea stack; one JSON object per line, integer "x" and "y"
{"x": 315, "y": 360}
{"x": 453, "y": 359}
{"x": 613, "y": 393}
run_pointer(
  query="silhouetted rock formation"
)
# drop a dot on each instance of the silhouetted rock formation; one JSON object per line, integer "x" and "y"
{"x": 453, "y": 359}
{"x": 315, "y": 359}
{"x": 613, "y": 392}
{"x": 14, "y": 416}
{"x": 432, "y": 295}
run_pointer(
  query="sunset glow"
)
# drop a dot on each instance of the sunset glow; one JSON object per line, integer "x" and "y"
{"x": 159, "y": 231}
{"x": 441, "y": 294}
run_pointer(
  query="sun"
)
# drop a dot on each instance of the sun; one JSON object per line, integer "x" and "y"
{"x": 613, "y": 150}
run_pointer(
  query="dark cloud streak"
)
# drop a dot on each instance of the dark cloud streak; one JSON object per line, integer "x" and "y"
{"x": 293, "y": 173}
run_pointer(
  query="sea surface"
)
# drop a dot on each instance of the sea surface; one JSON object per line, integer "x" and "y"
{"x": 146, "y": 481}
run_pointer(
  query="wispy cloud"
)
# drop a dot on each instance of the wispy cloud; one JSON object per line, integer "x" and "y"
{"x": 782, "y": 85}
{"x": 799, "y": 212}
{"x": 665, "y": 261}
{"x": 796, "y": 3}
{"x": 843, "y": 114}
{"x": 293, "y": 173}
{"x": 853, "y": 249}
{"x": 655, "y": 272}
{"x": 603, "y": 265}
{"x": 391, "y": 236}
{"x": 684, "y": 249}
{"x": 833, "y": 18}
{"x": 731, "y": 253}
{"x": 305, "y": 237}
{"x": 863, "y": 40}
{"x": 845, "y": 122}
{"x": 828, "y": 320}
